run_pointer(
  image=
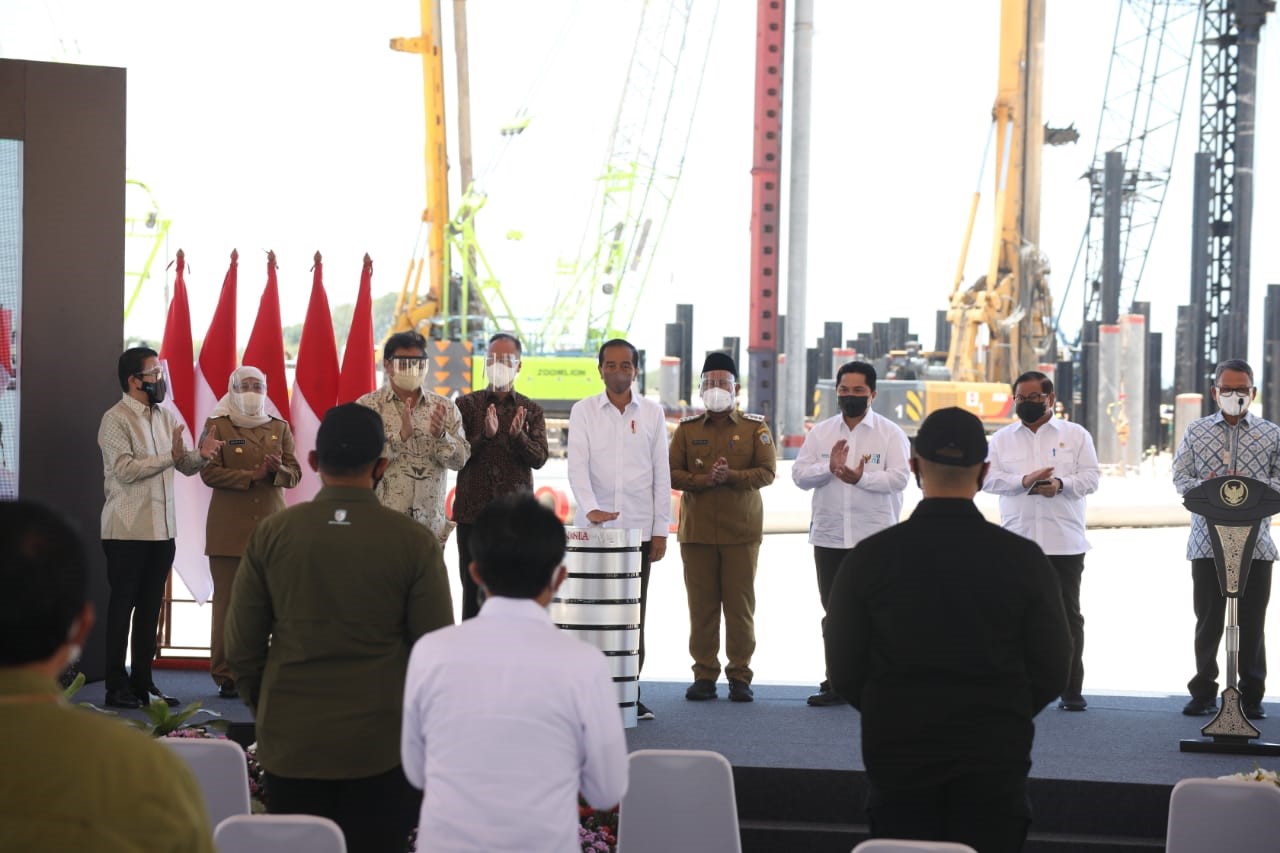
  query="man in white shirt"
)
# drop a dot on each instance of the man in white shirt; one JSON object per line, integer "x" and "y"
{"x": 502, "y": 765}
{"x": 618, "y": 467}
{"x": 1042, "y": 468}
{"x": 850, "y": 502}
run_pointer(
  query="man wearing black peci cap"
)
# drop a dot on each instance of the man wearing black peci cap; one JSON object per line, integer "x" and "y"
{"x": 721, "y": 459}
{"x": 328, "y": 600}
{"x": 948, "y": 634}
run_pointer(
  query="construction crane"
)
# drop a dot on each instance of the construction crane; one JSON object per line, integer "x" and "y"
{"x": 1011, "y": 302}
{"x": 638, "y": 182}
{"x": 416, "y": 310}
{"x": 1147, "y": 81}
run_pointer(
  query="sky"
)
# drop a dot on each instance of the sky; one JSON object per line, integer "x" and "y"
{"x": 291, "y": 126}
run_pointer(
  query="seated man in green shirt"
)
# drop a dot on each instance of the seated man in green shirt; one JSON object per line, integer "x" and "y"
{"x": 73, "y": 779}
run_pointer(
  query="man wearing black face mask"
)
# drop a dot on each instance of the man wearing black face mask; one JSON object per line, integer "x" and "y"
{"x": 856, "y": 465}
{"x": 1042, "y": 468}
{"x": 141, "y": 444}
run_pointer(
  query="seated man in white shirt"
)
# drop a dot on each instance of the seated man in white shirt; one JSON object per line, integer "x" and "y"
{"x": 506, "y": 719}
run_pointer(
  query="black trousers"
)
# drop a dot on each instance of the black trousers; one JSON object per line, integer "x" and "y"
{"x": 471, "y": 593}
{"x": 376, "y": 813}
{"x": 1211, "y": 610}
{"x": 646, "y": 548}
{"x": 136, "y": 571}
{"x": 988, "y": 811}
{"x": 1070, "y": 567}
{"x": 828, "y": 562}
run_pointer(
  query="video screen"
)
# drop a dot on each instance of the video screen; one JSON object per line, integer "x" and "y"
{"x": 10, "y": 310}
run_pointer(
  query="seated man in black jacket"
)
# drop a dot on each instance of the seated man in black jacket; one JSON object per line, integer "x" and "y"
{"x": 948, "y": 634}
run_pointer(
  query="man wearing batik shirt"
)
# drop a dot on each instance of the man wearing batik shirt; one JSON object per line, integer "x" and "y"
{"x": 1229, "y": 442}
{"x": 508, "y": 436}
{"x": 424, "y": 435}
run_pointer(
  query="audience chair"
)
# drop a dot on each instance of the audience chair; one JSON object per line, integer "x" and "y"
{"x": 903, "y": 845}
{"x": 1211, "y": 815}
{"x": 679, "y": 800}
{"x": 220, "y": 769}
{"x": 278, "y": 833}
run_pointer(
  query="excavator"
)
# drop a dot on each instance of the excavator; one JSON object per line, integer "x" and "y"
{"x": 1001, "y": 324}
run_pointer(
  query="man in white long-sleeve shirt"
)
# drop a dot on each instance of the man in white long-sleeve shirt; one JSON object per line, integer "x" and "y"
{"x": 506, "y": 718}
{"x": 850, "y": 501}
{"x": 618, "y": 467}
{"x": 1042, "y": 468}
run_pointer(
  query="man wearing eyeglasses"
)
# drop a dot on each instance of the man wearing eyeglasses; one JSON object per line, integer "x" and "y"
{"x": 424, "y": 435}
{"x": 1231, "y": 441}
{"x": 1043, "y": 468}
{"x": 141, "y": 444}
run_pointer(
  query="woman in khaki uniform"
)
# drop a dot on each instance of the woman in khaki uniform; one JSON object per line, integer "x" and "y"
{"x": 248, "y": 475}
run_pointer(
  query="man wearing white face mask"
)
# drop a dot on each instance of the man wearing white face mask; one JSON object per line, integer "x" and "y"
{"x": 508, "y": 436}
{"x": 1231, "y": 441}
{"x": 721, "y": 459}
{"x": 424, "y": 435}
{"x": 248, "y": 476}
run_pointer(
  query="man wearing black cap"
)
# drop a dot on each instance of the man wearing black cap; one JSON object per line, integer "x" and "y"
{"x": 721, "y": 459}
{"x": 948, "y": 634}
{"x": 328, "y": 601}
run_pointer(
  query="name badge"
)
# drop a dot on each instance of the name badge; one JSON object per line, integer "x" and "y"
{"x": 234, "y": 441}
{"x": 702, "y": 441}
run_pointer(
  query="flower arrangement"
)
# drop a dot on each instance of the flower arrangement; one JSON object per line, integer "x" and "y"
{"x": 1257, "y": 774}
{"x": 597, "y": 830}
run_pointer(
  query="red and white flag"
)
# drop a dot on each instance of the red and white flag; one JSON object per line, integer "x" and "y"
{"x": 358, "y": 366}
{"x": 178, "y": 354}
{"x": 209, "y": 381}
{"x": 265, "y": 349}
{"x": 315, "y": 383}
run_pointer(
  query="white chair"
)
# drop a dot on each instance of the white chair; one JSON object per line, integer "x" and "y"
{"x": 220, "y": 769}
{"x": 278, "y": 833}
{"x": 903, "y": 845}
{"x": 679, "y": 800}
{"x": 1211, "y": 815}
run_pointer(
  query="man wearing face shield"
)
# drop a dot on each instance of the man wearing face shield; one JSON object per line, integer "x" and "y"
{"x": 424, "y": 435}
{"x": 141, "y": 444}
{"x": 1042, "y": 468}
{"x": 721, "y": 459}
{"x": 248, "y": 475}
{"x": 855, "y": 462}
{"x": 1232, "y": 441}
{"x": 508, "y": 436}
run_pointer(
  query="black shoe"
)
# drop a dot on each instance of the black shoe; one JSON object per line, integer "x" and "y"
{"x": 1254, "y": 710}
{"x": 825, "y": 697}
{"x": 122, "y": 699}
{"x": 227, "y": 690}
{"x": 701, "y": 690}
{"x": 1201, "y": 707}
{"x": 740, "y": 691}
{"x": 643, "y": 712}
{"x": 1073, "y": 703}
{"x": 153, "y": 693}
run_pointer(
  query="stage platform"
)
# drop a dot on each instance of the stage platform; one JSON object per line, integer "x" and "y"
{"x": 1100, "y": 780}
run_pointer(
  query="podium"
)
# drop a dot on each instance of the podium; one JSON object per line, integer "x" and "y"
{"x": 1233, "y": 508}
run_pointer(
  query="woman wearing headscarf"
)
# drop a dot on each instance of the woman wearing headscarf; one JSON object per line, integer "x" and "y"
{"x": 249, "y": 475}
